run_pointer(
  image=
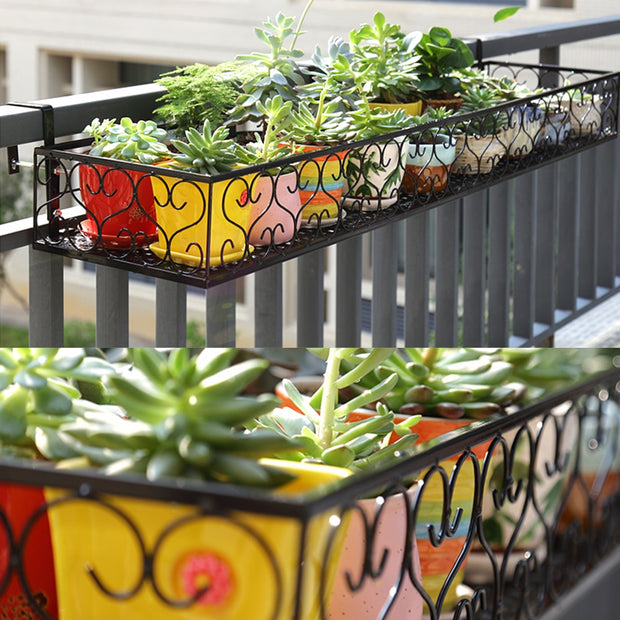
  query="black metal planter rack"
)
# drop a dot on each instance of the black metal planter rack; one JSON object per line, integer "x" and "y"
{"x": 80, "y": 211}
{"x": 567, "y": 442}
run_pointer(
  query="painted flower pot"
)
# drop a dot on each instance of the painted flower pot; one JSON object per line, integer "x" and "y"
{"x": 17, "y": 505}
{"x": 584, "y": 112}
{"x": 276, "y": 208}
{"x": 380, "y": 523}
{"x": 524, "y": 128}
{"x": 202, "y": 224}
{"x": 437, "y": 562}
{"x": 374, "y": 174}
{"x": 321, "y": 181}
{"x": 428, "y": 164}
{"x": 599, "y": 468}
{"x": 477, "y": 154}
{"x": 556, "y": 128}
{"x": 516, "y": 525}
{"x": 448, "y": 102}
{"x": 206, "y": 566}
{"x": 120, "y": 212}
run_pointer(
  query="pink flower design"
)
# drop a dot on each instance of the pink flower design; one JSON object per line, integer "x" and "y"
{"x": 202, "y": 570}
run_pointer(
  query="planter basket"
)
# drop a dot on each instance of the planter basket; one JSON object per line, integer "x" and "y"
{"x": 213, "y": 229}
{"x": 125, "y": 548}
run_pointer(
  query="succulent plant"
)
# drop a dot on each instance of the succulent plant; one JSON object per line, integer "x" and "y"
{"x": 206, "y": 152}
{"x": 323, "y": 426}
{"x": 271, "y": 144}
{"x": 128, "y": 141}
{"x": 386, "y": 57}
{"x": 186, "y": 418}
{"x": 276, "y": 70}
{"x": 40, "y": 388}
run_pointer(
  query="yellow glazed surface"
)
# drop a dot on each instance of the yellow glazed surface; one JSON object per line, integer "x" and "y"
{"x": 182, "y": 210}
{"x": 241, "y": 557}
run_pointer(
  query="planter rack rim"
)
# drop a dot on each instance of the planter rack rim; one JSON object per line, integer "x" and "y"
{"x": 225, "y": 497}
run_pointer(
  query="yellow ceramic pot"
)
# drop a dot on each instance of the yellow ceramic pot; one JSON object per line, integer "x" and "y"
{"x": 248, "y": 562}
{"x": 413, "y": 109}
{"x": 197, "y": 220}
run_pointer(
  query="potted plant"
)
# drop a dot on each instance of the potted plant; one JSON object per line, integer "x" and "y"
{"x": 378, "y": 526}
{"x": 387, "y": 59}
{"x": 276, "y": 204}
{"x": 442, "y": 56}
{"x": 202, "y": 220}
{"x": 482, "y": 141}
{"x": 431, "y": 153}
{"x": 448, "y": 388}
{"x": 585, "y": 111}
{"x": 174, "y": 417}
{"x": 373, "y": 171}
{"x": 525, "y": 121}
{"x": 276, "y": 70}
{"x": 118, "y": 201}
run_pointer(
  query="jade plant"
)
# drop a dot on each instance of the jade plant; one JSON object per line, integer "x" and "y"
{"x": 140, "y": 141}
{"x": 441, "y": 57}
{"x": 322, "y": 423}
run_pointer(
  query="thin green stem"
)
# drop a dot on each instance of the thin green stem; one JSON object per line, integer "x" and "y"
{"x": 329, "y": 398}
{"x": 300, "y": 24}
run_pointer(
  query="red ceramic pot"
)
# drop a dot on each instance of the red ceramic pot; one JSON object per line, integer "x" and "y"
{"x": 120, "y": 211}
{"x": 18, "y": 504}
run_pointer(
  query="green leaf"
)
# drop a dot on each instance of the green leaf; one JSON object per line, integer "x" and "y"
{"x": 13, "y": 421}
{"x": 505, "y": 13}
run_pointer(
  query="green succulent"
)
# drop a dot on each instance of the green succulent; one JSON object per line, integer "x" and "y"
{"x": 276, "y": 69}
{"x": 186, "y": 418}
{"x": 386, "y": 57}
{"x": 271, "y": 144}
{"x": 206, "y": 152}
{"x": 128, "y": 141}
{"x": 477, "y": 99}
{"x": 41, "y": 388}
{"x": 323, "y": 428}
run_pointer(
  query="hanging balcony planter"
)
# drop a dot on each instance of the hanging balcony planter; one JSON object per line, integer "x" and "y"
{"x": 351, "y": 176}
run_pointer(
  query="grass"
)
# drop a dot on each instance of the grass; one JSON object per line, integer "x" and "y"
{"x": 82, "y": 334}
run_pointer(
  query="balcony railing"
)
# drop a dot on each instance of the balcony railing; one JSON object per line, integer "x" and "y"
{"x": 508, "y": 264}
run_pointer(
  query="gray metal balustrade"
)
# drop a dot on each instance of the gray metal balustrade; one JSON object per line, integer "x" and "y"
{"x": 507, "y": 265}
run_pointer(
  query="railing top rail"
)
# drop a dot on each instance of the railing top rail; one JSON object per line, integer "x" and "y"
{"x": 539, "y": 37}
{"x": 22, "y": 125}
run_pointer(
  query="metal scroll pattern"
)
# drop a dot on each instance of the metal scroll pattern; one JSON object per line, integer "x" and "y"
{"x": 499, "y": 530}
{"x": 204, "y": 230}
